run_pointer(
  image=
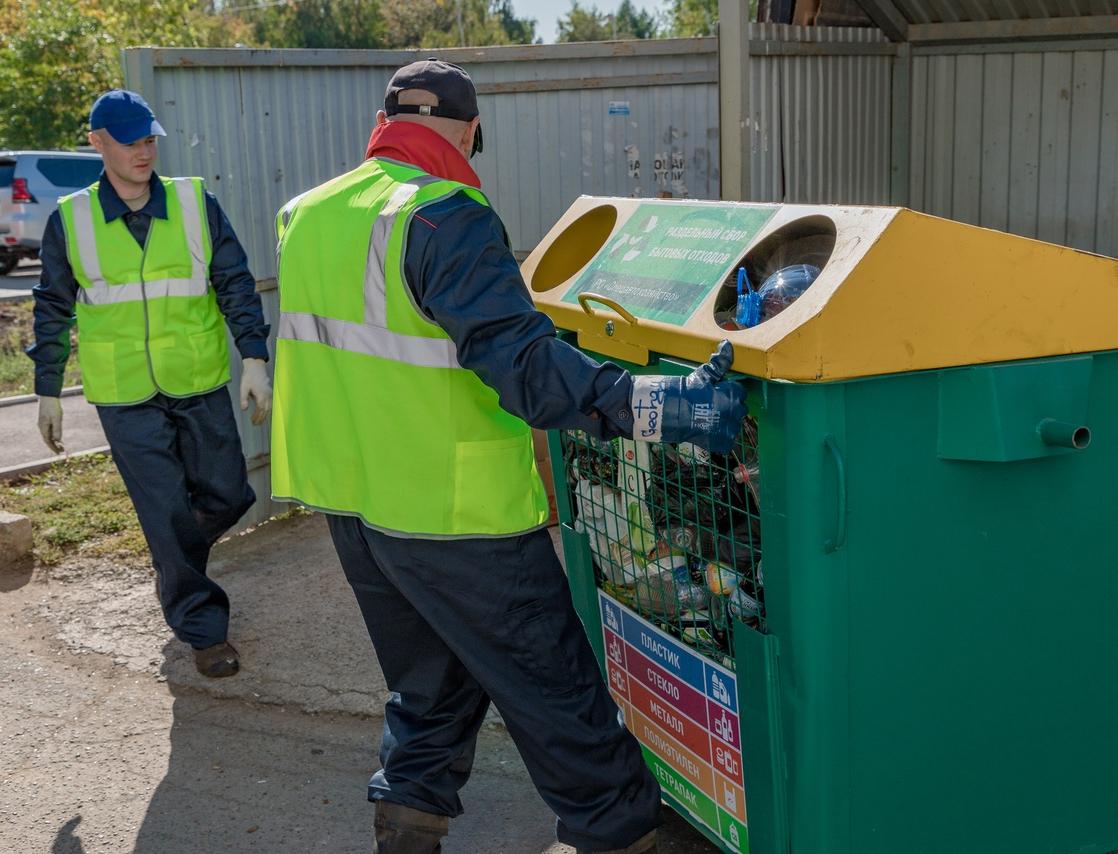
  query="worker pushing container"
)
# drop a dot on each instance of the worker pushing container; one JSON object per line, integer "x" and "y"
{"x": 885, "y": 621}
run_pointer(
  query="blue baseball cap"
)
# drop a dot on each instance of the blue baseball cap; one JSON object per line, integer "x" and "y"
{"x": 125, "y": 115}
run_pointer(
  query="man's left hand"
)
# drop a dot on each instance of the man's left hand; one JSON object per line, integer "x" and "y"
{"x": 255, "y": 384}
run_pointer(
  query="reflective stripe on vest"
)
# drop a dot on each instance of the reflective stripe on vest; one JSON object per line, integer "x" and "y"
{"x": 372, "y": 338}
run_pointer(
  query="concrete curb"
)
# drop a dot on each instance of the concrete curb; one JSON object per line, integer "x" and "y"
{"x": 16, "y": 400}
{"x": 18, "y": 296}
{"x": 24, "y": 469}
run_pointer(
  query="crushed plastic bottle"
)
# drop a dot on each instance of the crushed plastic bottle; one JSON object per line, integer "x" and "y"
{"x": 667, "y": 588}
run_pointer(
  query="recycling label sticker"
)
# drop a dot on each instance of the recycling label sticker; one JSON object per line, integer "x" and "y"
{"x": 683, "y": 709}
{"x": 666, "y": 258}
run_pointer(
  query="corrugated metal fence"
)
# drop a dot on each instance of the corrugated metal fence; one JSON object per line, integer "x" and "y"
{"x": 1019, "y": 137}
{"x": 820, "y": 114}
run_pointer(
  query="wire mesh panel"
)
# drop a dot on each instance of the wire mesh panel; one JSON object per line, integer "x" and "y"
{"x": 675, "y": 532}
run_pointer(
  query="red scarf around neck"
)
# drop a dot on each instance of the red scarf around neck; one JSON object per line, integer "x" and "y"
{"x": 411, "y": 142}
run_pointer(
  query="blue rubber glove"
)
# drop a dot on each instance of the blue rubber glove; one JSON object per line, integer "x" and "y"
{"x": 698, "y": 408}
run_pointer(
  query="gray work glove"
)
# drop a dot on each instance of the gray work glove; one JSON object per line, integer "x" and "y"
{"x": 255, "y": 384}
{"x": 50, "y": 423}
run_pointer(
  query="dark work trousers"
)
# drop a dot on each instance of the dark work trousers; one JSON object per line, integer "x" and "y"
{"x": 456, "y": 622}
{"x": 182, "y": 463}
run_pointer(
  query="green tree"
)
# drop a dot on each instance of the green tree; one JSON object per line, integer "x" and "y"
{"x": 519, "y": 30}
{"x": 50, "y": 72}
{"x": 454, "y": 23}
{"x": 633, "y": 23}
{"x": 166, "y": 23}
{"x": 584, "y": 24}
{"x": 388, "y": 23}
{"x": 63, "y": 53}
{"x": 318, "y": 24}
{"x": 588, "y": 24}
{"x": 687, "y": 18}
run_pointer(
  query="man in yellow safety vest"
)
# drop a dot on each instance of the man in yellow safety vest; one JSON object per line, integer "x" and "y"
{"x": 410, "y": 363}
{"x": 153, "y": 273}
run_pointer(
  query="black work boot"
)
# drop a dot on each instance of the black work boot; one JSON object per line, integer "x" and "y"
{"x": 645, "y": 845}
{"x": 217, "y": 661}
{"x": 402, "y": 830}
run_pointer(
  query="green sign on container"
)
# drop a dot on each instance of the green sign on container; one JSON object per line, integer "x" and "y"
{"x": 666, "y": 258}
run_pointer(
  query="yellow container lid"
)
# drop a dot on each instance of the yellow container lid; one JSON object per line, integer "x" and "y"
{"x": 898, "y": 290}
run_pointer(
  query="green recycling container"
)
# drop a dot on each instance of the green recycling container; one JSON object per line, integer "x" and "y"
{"x": 886, "y": 622}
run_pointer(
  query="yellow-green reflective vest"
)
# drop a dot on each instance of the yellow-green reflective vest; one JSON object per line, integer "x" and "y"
{"x": 373, "y": 415}
{"x": 148, "y": 320}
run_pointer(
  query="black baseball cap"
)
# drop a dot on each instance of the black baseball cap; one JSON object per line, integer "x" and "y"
{"x": 446, "y": 81}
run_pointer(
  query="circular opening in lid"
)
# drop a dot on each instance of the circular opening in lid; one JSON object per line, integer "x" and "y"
{"x": 778, "y": 269}
{"x": 574, "y": 247}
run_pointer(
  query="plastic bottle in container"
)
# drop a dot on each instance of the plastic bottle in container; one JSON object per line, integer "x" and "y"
{"x": 784, "y": 287}
{"x": 667, "y": 587}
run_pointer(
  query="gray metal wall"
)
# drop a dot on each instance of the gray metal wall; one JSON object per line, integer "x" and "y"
{"x": 820, "y": 114}
{"x": 1021, "y": 138}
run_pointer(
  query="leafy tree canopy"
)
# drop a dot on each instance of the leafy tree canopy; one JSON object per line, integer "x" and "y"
{"x": 687, "y": 18}
{"x": 589, "y": 24}
{"x": 57, "y": 56}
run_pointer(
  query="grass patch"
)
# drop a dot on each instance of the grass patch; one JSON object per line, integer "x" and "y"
{"x": 77, "y": 506}
{"x": 17, "y": 372}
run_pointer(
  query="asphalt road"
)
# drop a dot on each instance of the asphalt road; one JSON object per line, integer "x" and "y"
{"x": 21, "y": 443}
{"x": 19, "y": 434}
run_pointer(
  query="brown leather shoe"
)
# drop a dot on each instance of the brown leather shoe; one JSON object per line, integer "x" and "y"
{"x": 402, "y": 830}
{"x": 217, "y": 661}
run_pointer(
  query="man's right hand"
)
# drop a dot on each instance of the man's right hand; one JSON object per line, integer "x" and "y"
{"x": 699, "y": 408}
{"x": 50, "y": 423}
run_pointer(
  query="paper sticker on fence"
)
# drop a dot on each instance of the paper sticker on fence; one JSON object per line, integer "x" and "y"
{"x": 683, "y": 709}
{"x": 664, "y": 261}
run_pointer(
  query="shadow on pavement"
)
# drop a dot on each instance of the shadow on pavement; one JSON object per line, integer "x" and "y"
{"x": 244, "y": 776}
{"x": 247, "y": 777}
{"x": 65, "y": 842}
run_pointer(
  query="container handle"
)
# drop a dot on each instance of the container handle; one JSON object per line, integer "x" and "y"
{"x": 585, "y": 298}
{"x": 833, "y": 544}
